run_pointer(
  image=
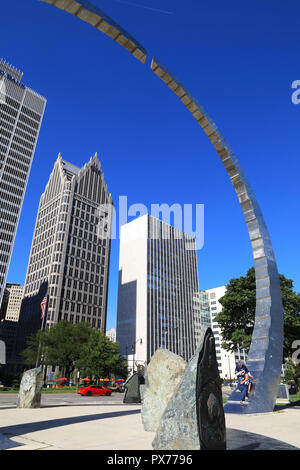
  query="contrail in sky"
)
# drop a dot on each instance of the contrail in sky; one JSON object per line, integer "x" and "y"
{"x": 145, "y": 7}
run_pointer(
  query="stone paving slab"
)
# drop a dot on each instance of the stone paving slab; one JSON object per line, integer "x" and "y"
{"x": 280, "y": 425}
{"x": 119, "y": 427}
{"x": 73, "y": 427}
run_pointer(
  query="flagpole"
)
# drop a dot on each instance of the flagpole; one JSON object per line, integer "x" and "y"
{"x": 43, "y": 306}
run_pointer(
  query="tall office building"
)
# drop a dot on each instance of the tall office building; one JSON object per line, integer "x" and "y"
{"x": 11, "y": 302}
{"x": 111, "y": 334}
{"x": 226, "y": 359}
{"x": 201, "y": 313}
{"x": 21, "y": 114}
{"x": 71, "y": 246}
{"x": 158, "y": 278}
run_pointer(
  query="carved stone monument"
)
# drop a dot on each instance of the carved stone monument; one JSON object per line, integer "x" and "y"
{"x": 209, "y": 400}
{"x": 132, "y": 389}
{"x": 194, "y": 417}
{"x": 164, "y": 374}
{"x": 31, "y": 389}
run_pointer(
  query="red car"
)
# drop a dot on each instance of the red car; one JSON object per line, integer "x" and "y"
{"x": 93, "y": 390}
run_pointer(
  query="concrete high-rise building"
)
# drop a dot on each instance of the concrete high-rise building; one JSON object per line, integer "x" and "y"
{"x": 21, "y": 113}
{"x": 201, "y": 312}
{"x": 71, "y": 245}
{"x": 158, "y": 278}
{"x": 112, "y": 334}
{"x": 11, "y": 303}
{"x": 226, "y": 359}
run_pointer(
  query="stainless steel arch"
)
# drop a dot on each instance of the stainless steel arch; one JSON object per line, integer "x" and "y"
{"x": 265, "y": 355}
{"x": 86, "y": 11}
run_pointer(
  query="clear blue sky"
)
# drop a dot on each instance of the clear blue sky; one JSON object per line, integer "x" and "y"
{"x": 238, "y": 58}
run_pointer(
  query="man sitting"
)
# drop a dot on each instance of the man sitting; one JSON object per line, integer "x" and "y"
{"x": 240, "y": 372}
{"x": 246, "y": 385}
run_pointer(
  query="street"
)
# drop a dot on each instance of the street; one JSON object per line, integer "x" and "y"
{"x": 64, "y": 399}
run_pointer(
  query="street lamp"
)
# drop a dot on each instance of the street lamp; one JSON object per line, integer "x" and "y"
{"x": 133, "y": 349}
{"x": 228, "y": 357}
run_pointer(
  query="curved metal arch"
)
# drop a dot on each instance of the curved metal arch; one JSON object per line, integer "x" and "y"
{"x": 86, "y": 11}
{"x": 265, "y": 354}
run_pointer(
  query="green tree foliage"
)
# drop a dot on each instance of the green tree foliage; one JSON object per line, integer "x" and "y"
{"x": 236, "y": 319}
{"x": 289, "y": 373}
{"x": 68, "y": 346}
{"x": 59, "y": 345}
{"x": 35, "y": 350}
{"x": 100, "y": 357}
{"x": 64, "y": 342}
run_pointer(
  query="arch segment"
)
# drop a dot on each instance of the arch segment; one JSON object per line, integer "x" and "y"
{"x": 86, "y": 11}
{"x": 265, "y": 354}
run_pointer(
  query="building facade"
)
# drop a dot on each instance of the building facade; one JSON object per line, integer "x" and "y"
{"x": 226, "y": 359}
{"x": 11, "y": 302}
{"x": 158, "y": 278}
{"x": 21, "y": 114}
{"x": 70, "y": 249}
{"x": 202, "y": 317}
{"x": 112, "y": 334}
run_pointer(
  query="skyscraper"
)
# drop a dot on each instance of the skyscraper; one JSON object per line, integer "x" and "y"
{"x": 21, "y": 114}
{"x": 158, "y": 278}
{"x": 11, "y": 303}
{"x": 71, "y": 245}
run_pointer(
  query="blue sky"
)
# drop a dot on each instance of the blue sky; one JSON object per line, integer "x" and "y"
{"x": 238, "y": 59}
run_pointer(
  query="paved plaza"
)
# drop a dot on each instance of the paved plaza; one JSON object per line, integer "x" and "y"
{"x": 71, "y": 422}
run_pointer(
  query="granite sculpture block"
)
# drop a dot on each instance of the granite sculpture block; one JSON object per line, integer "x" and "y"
{"x": 132, "y": 389}
{"x": 31, "y": 389}
{"x": 164, "y": 373}
{"x": 194, "y": 417}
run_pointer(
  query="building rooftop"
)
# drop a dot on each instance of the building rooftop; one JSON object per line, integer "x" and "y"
{"x": 70, "y": 169}
{"x": 11, "y": 70}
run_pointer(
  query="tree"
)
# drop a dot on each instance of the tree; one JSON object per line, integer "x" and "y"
{"x": 236, "y": 319}
{"x": 289, "y": 373}
{"x": 60, "y": 345}
{"x": 35, "y": 349}
{"x": 100, "y": 357}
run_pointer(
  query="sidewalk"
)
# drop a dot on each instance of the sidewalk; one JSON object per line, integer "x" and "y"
{"x": 119, "y": 427}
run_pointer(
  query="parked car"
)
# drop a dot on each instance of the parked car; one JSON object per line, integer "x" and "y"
{"x": 94, "y": 390}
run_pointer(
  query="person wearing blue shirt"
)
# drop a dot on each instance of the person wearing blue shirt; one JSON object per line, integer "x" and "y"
{"x": 240, "y": 371}
{"x": 244, "y": 382}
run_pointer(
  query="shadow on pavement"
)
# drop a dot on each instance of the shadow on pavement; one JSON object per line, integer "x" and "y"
{"x": 243, "y": 440}
{"x": 236, "y": 439}
{"x": 27, "y": 428}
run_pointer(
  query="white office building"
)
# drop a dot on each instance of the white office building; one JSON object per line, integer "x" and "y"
{"x": 14, "y": 301}
{"x": 112, "y": 334}
{"x": 226, "y": 359}
{"x": 201, "y": 313}
{"x": 158, "y": 279}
